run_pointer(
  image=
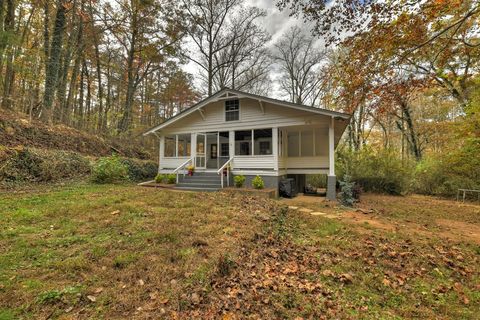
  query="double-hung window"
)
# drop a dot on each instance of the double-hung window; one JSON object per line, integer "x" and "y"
{"x": 232, "y": 110}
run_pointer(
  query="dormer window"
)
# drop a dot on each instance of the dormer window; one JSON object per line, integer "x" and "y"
{"x": 232, "y": 110}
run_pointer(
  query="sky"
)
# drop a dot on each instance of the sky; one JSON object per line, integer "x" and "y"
{"x": 276, "y": 23}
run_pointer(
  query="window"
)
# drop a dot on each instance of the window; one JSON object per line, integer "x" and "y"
{"x": 232, "y": 110}
{"x": 224, "y": 150}
{"x": 184, "y": 145}
{"x": 169, "y": 146}
{"x": 262, "y": 142}
{"x": 244, "y": 148}
{"x": 243, "y": 143}
{"x": 265, "y": 147}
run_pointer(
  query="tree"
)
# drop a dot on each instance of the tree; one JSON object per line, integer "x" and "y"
{"x": 148, "y": 33}
{"x": 245, "y": 64}
{"x": 435, "y": 40}
{"x": 299, "y": 59}
{"x": 207, "y": 30}
{"x": 53, "y": 65}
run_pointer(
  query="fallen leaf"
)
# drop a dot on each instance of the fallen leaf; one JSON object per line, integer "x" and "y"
{"x": 115, "y": 212}
{"x": 92, "y": 298}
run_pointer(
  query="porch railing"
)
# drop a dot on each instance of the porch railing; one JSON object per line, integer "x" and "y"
{"x": 222, "y": 168}
{"x": 182, "y": 166}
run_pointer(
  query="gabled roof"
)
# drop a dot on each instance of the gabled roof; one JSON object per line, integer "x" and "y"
{"x": 232, "y": 93}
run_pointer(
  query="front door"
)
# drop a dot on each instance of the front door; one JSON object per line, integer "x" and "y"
{"x": 201, "y": 157}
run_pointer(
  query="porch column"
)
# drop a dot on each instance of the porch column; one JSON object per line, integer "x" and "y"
{"x": 193, "y": 146}
{"x": 161, "y": 152}
{"x": 275, "y": 148}
{"x": 231, "y": 143}
{"x": 332, "y": 179}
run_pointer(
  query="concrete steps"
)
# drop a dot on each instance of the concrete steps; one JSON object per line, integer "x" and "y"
{"x": 200, "y": 181}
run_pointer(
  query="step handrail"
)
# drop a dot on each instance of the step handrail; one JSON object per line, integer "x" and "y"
{"x": 220, "y": 171}
{"x": 182, "y": 166}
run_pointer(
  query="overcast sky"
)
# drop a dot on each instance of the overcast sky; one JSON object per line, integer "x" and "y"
{"x": 276, "y": 23}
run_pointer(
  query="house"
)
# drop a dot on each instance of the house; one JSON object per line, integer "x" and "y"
{"x": 249, "y": 135}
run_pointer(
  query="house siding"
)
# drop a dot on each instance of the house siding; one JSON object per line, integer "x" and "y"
{"x": 251, "y": 117}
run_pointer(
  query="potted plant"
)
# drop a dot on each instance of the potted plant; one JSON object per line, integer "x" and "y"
{"x": 191, "y": 170}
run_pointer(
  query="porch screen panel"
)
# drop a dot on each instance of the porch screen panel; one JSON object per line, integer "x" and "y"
{"x": 293, "y": 144}
{"x": 321, "y": 142}
{"x": 184, "y": 145}
{"x": 306, "y": 141}
{"x": 243, "y": 143}
{"x": 262, "y": 142}
{"x": 169, "y": 146}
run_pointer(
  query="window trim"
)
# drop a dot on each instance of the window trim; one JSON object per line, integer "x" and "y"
{"x": 225, "y": 111}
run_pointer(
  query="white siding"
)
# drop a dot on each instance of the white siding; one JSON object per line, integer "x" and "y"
{"x": 253, "y": 162}
{"x": 306, "y": 162}
{"x": 172, "y": 163}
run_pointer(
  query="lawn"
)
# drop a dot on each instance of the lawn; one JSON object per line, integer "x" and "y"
{"x": 88, "y": 251}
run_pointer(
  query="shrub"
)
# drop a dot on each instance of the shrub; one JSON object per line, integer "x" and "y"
{"x": 443, "y": 174}
{"x": 258, "y": 183}
{"x": 140, "y": 170}
{"x": 381, "y": 171}
{"x": 171, "y": 178}
{"x": 35, "y": 165}
{"x": 160, "y": 178}
{"x": 110, "y": 170}
{"x": 239, "y": 181}
{"x": 347, "y": 191}
{"x": 317, "y": 180}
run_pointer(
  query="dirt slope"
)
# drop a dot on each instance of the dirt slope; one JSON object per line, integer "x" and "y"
{"x": 17, "y": 130}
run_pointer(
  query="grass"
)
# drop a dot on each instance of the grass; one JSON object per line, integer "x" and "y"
{"x": 103, "y": 241}
{"x": 120, "y": 251}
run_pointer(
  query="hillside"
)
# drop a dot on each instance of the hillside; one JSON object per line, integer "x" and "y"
{"x": 16, "y": 130}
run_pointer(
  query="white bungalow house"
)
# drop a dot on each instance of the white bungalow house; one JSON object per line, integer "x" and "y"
{"x": 249, "y": 135}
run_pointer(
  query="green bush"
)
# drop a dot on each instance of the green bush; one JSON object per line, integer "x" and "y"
{"x": 382, "y": 171}
{"x": 258, "y": 183}
{"x": 140, "y": 170}
{"x": 239, "y": 181}
{"x": 109, "y": 170}
{"x": 172, "y": 178}
{"x": 160, "y": 178}
{"x": 443, "y": 174}
{"x": 317, "y": 180}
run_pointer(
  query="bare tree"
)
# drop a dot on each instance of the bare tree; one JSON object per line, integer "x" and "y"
{"x": 208, "y": 19}
{"x": 245, "y": 64}
{"x": 299, "y": 59}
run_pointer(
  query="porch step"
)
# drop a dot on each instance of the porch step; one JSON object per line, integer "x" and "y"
{"x": 198, "y": 189}
{"x": 200, "y": 181}
{"x": 199, "y": 185}
{"x": 199, "y": 178}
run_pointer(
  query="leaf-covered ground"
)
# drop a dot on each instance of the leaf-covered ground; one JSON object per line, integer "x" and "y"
{"x": 104, "y": 252}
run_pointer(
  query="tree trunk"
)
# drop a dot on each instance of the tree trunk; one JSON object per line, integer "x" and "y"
{"x": 126, "y": 120}
{"x": 51, "y": 77}
{"x": 9, "y": 72}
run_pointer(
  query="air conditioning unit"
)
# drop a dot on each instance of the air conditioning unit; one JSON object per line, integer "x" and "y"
{"x": 288, "y": 188}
